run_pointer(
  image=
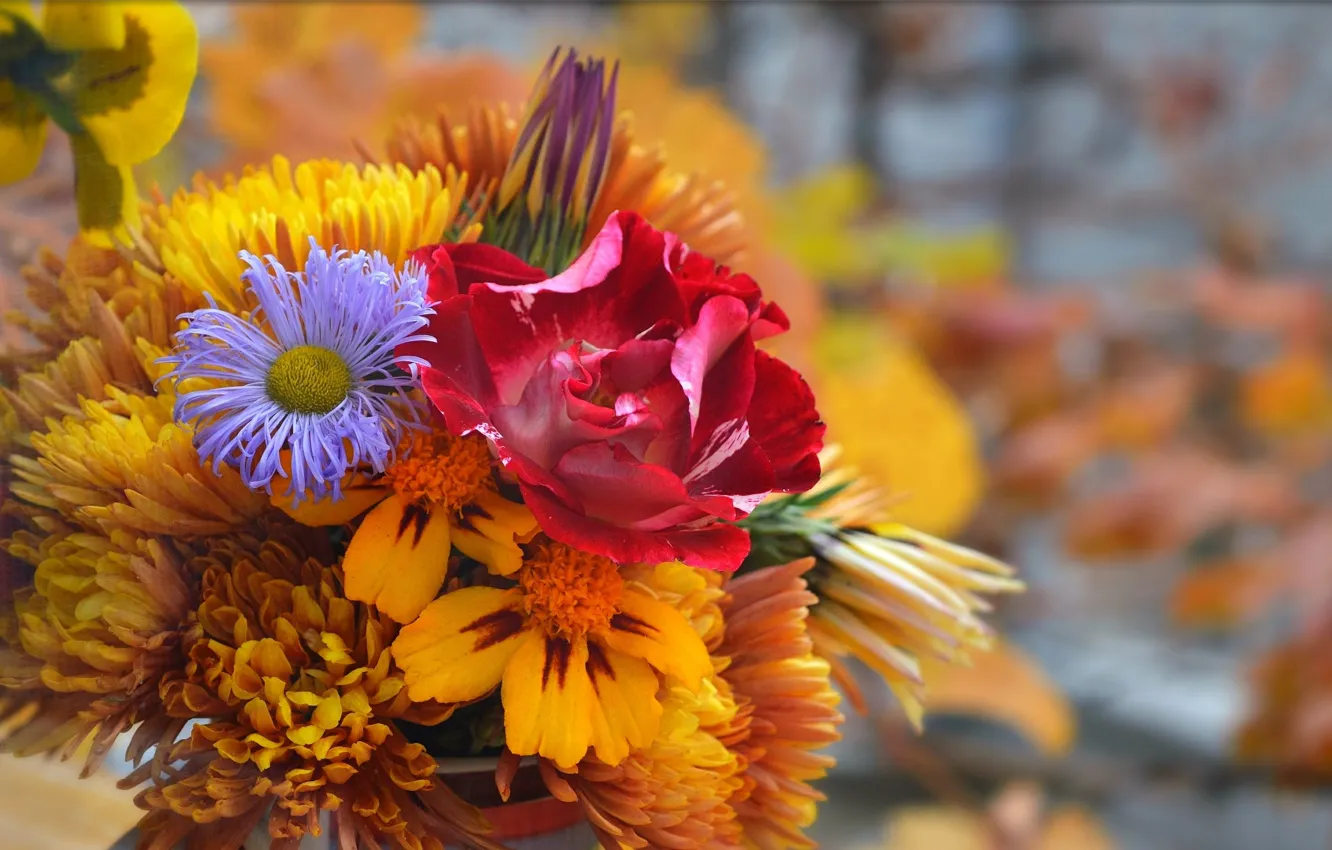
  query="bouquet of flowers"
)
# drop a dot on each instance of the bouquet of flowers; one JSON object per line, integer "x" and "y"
{"x": 333, "y": 477}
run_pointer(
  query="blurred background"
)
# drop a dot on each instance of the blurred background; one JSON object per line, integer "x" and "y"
{"x": 1059, "y": 274}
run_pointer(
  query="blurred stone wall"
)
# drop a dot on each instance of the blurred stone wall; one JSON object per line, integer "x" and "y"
{"x": 1107, "y": 139}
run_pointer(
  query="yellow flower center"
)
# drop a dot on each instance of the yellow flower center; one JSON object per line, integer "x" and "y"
{"x": 308, "y": 379}
{"x": 441, "y": 469}
{"x": 568, "y": 592}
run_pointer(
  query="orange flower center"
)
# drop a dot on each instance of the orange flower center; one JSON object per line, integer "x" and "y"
{"x": 441, "y": 469}
{"x": 568, "y": 592}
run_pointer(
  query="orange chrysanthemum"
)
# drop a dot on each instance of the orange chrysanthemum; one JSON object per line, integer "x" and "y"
{"x": 299, "y": 700}
{"x": 775, "y": 673}
{"x": 1287, "y": 727}
{"x": 732, "y": 764}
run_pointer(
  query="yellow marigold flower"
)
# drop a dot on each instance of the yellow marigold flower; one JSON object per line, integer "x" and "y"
{"x": 784, "y": 686}
{"x": 302, "y": 700}
{"x": 576, "y": 650}
{"x": 439, "y": 494}
{"x": 676, "y": 791}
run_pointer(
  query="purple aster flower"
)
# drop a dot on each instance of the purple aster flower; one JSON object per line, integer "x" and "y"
{"x": 312, "y": 371}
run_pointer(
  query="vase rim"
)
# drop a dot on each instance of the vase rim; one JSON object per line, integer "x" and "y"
{"x": 476, "y": 764}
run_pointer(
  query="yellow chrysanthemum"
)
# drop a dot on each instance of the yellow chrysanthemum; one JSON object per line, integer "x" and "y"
{"x": 676, "y": 791}
{"x": 199, "y": 234}
{"x": 124, "y": 464}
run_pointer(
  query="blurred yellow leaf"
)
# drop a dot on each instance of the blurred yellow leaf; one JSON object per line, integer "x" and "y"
{"x": 1075, "y": 828}
{"x": 898, "y": 423}
{"x": 970, "y": 260}
{"x": 1007, "y": 686}
{"x": 936, "y": 828}
{"x": 655, "y": 33}
{"x": 956, "y": 828}
{"x": 814, "y": 221}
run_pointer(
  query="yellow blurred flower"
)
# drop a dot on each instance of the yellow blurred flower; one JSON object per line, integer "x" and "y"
{"x": 309, "y": 79}
{"x": 116, "y": 77}
{"x": 899, "y": 424}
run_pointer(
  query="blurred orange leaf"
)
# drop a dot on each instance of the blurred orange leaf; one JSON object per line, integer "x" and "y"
{"x": 1226, "y": 593}
{"x": 1007, "y": 686}
{"x": 1173, "y": 496}
{"x": 1140, "y": 411}
{"x": 1290, "y": 393}
{"x": 1075, "y": 828}
{"x": 1037, "y": 460}
{"x": 1293, "y": 308}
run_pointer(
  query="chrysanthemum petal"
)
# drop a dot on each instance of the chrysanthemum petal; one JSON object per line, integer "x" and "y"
{"x": 548, "y": 700}
{"x": 398, "y": 558}
{"x": 458, "y": 648}
{"x": 652, "y": 630}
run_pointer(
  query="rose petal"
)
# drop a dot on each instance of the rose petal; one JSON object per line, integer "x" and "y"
{"x": 782, "y": 420}
{"x": 619, "y": 287}
{"x": 616, "y": 487}
{"x": 453, "y": 268}
{"x": 717, "y": 546}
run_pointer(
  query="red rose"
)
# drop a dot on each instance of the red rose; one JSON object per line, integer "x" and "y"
{"x": 624, "y": 394}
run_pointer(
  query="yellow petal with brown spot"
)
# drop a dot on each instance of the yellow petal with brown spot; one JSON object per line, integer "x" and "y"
{"x": 654, "y": 631}
{"x": 548, "y": 700}
{"x": 457, "y": 649}
{"x": 625, "y": 712}
{"x": 398, "y": 558}
{"x": 490, "y": 530}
